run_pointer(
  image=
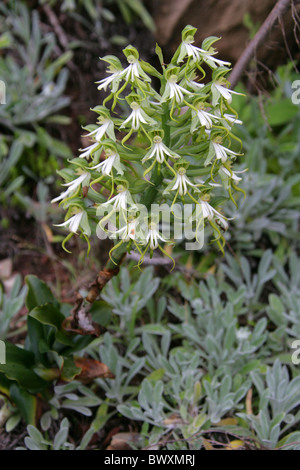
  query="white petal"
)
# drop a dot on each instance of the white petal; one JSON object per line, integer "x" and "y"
{"x": 61, "y": 197}
{"x": 87, "y": 151}
{"x": 75, "y": 222}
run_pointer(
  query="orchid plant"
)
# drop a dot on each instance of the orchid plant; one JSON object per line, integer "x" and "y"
{"x": 172, "y": 146}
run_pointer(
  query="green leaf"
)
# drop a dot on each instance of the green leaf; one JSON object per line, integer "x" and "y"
{"x": 281, "y": 112}
{"x": 4, "y": 385}
{"x": 156, "y": 376}
{"x": 159, "y": 53}
{"x": 26, "y": 403}
{"x": 19, "y": 367}
{"x": 13, "y": 422}
{"x": 150, "y": 69}
{"x": 38, "y": 293}
{"x": 48, "y": 315}
{"x": 101, "y": 313}
{"x": 14, "y": 156}
{"x": 36, "y": 333}
{"x": 62, "y": 435}
{"x": 70, "y": 371}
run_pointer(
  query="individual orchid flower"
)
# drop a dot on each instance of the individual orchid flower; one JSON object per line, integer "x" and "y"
{"x": 122, "y": 201}
{"x": 221, "y": 152}
{"x": 106, "y": 127}
{"x": 83, "y": 179}
{"x": 159, "y": 150}
{"x": 137, "y": 117}
{"x": 196, "y": 53}
{"x": 231, "y": 180}
{"x": 152, "y": 240}
{"x": 114, "y": 78}
{"x": 190, "y": 82}
{"x": 210, "y": 213}
{"x": 227, "y": 120}
{"x": 72, "y": 223}
{"x": 232, "y": 119}
{"x": 129, "y": 231}
{"x": 206, "y": 119}
{"x": 173, "y": 91}
{"x": 213, "y": 62}
{"x": 112, "y": 161}
{"x": 79, "y": 219}
{"x": 182, "y": 182}
{"x": 116, "y": 72}
{"x": 218, "y": 89}
{"x": 226, "y": 174}
{"x": 154, "y": 236}
{"x": 134, "y": 70}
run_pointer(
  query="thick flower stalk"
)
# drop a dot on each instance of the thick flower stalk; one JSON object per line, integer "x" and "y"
{"x": 174, "y": 144}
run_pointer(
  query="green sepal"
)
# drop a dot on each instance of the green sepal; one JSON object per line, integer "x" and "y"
{"x": 208, "y": 42}
{"x": 131, "y": 51}
{"x": 188, "y": 31}
{"x": 150, "y": 69}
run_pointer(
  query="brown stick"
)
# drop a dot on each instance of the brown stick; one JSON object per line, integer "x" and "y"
{"x": 80, "y": 320}
{"x": 239, "y": 68}
{"x": 56, "y": 26}
{"x": 103, "y": 277}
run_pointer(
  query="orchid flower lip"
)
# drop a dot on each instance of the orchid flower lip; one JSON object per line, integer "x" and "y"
{"x": 136, "y": 116}
{"x": 88, "y": 150}
{"x": 105, "y": 82}
{"x": 154, "y": 236}
{"x": 198, "y": 54}
{"x": 72, "y": 186}
{"x": 222, "y": 152}
{"x": 129, "y": 230}
{"x": 106, "y": 165}
{"x": 206, "y": 118}
{"x": 159, "y": 150}
{"x": 233, "y": 119}
{"x": 72, "y": 223}
{"x": 121, "y": 201}
{"x": 232, "y": 174}
{"x": 175, "y": 91}
{"x": 225, "y": 92}
{"x": 209, "y": 212}
{"x": 101, "y": 130}
{"x": 182, "y": 182}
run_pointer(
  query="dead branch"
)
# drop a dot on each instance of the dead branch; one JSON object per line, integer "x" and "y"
{"x": 53, "y": 20}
